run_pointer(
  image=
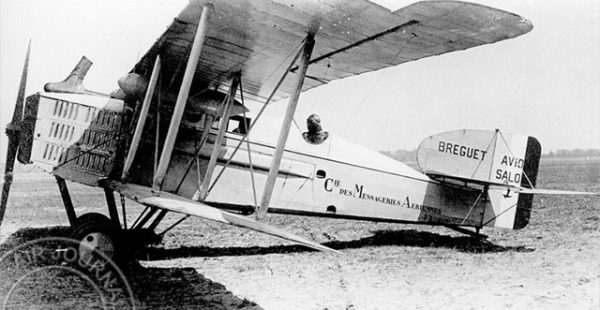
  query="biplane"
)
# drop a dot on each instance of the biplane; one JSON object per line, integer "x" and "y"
{"x": 177, "y": 136}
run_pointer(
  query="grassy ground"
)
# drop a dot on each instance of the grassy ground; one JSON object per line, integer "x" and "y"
{"x": 551, "y": 264}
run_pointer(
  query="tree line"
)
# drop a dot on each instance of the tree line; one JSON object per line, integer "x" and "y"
{"x": 411, "y": 156}
{"x": 573, "y": 153}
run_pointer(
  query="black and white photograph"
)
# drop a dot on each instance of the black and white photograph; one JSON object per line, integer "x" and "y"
{"x": 300, "y": 154}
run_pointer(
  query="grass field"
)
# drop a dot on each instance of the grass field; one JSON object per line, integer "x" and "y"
{"x": 551, "y": 264}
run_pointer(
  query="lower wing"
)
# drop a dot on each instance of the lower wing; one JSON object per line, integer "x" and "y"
{"x": 174, "y": 203}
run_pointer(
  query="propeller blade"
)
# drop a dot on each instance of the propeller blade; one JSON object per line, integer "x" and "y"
{"x": 13, "y": 130}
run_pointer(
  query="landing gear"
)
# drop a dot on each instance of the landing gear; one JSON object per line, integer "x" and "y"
{"x": 96, "y": 233}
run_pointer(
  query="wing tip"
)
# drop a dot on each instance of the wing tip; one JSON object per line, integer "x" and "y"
{"x": 526, "y": 25}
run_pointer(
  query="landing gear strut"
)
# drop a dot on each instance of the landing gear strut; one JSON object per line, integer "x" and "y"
{"x": 96, "y": 232}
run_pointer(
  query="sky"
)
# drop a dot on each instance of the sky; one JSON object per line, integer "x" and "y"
{"x": 545, "y": 84}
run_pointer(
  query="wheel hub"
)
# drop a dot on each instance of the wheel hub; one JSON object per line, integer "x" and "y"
{"x": 96, "y": 241}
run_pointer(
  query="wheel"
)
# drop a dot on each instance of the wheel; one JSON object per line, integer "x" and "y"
{"x": 95, "y": 233}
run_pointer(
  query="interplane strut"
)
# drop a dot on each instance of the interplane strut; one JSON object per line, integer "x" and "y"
{"x": 182, "y": 97}
{"x": 285, "y": 127}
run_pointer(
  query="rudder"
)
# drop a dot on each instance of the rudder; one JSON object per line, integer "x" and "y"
{"x": 530, "y": 171}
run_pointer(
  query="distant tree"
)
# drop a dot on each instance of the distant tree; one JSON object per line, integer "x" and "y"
{"x": 573, "y": 153}
{"x": 411, "y": 156}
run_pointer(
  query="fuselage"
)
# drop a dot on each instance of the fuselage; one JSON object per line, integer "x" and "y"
{"x": 336, "y": 178}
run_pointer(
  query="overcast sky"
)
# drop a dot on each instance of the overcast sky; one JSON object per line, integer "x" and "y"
{"x": 545, "y": 84}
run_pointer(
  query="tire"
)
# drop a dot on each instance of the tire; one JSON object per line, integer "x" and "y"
{"x": 96, "y": 233}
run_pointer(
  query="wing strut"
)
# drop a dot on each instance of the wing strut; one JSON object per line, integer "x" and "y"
{"x": 285, "y": 126}
{"x": 141, "y": 119}
{"x": 203, "y": 190}
{"x": 182, "y": 97}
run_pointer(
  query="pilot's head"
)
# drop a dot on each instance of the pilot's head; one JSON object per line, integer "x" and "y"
{"x": 313, "y": 123}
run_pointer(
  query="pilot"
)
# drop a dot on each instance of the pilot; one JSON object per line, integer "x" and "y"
{"x": 315, "y": 133}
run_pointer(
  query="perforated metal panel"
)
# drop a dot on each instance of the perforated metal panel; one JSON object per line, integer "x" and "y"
{"x": 74, "y": 135}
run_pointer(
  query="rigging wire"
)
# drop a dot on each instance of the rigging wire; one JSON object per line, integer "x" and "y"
{"x": 511, "y": 154}
{"x": 208, "y": 120}
{"x": 262, "y": 110}
{"x": 296, "y": 124}
{"x": 362, "y": 102}
{"x": 320, "y": 89}
{"x": 412, "y": 35}
{"x": 487, "y": 149}
{"x": 248, "y": 147}
{"x": 82, "y": 152}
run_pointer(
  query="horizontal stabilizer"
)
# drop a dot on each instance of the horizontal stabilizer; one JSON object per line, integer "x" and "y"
{"x": 174, "y": 203}
{"x": 478, "y": 184}
{"x": 536, "y": 191}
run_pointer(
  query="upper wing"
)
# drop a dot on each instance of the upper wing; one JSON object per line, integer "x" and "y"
{"x": 174, "y": 203}
{"x": 257, "y": 38}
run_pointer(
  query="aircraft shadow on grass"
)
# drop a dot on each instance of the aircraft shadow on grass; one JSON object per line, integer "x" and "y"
{"x": 175, "y": 288}
{"x": 154, "y": 288}
{"x": 407, "y": 238}
{"x": 411, "y": 238}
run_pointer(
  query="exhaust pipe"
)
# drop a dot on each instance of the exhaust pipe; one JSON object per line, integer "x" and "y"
{"x": 73, "y": 84}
